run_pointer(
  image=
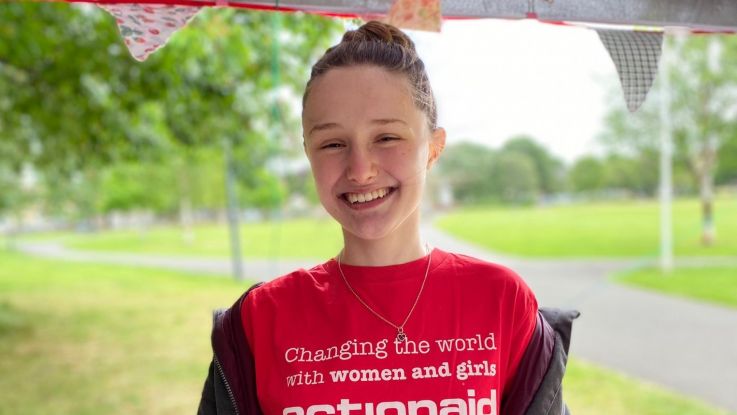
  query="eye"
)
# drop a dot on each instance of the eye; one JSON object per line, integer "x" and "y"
{"x": 387, "y": 138}
{"x": 331, "y": 145}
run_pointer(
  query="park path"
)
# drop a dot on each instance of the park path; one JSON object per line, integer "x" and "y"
{"x": 686, "y": 346}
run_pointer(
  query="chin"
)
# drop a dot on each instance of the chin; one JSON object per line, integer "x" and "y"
{"x": 368, "y": 235}
{"x": 376, "y": 230}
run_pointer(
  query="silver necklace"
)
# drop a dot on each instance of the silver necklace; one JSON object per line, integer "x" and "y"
{"x": 401, "y": 335}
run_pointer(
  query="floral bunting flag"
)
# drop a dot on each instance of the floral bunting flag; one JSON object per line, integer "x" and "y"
{"x": 415, "y": 14}
{"x": 147, "y": 27}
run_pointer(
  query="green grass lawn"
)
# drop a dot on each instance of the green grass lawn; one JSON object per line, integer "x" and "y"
{"x": 716, "y": 285}
{"x": 588, "y": 389}
{"x": 303, "y": 238}
{"x": 97, "y": 339}
{"x": 94, "y": 339}
{"x": 612, "y": 229}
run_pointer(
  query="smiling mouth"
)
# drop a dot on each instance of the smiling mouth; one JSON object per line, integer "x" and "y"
{"x": 359, "y": 198}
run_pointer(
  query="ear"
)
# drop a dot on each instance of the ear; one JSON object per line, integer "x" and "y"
{"x": 437, "y": 144}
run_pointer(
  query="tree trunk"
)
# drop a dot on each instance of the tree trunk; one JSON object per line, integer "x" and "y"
{"x": 708, "y": 232}
{"x": 185, "y": 200}
{"x": 233, "y": 213}
{"x": 185, "y": 219}
{"x": 706, "y": 181}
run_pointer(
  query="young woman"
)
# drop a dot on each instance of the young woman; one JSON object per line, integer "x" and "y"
{"x": 390, "y": 325}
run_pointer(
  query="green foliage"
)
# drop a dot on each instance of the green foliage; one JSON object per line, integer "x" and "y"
{"x": 726, "y": 173}
{"x": 12, "y": 197}
{"x": 300, "y": 181}
{"x": 635, "y": 174}
{"x": 587, "y": 174}
{"x": 269, "y": 192}
{"x": 71, "y": 85}
{"x": 76, "y": 198}
{"x": 201, "y": 178}
{"x": 703, "y": 90}
{"x": 549, "y": 170}
{"x": 466, "y": 167}
{"x": 131, "y": 186}
{"x": 74, "y": 104}
{"x": 515, "y": 177}
{"x": 520, "y": 172}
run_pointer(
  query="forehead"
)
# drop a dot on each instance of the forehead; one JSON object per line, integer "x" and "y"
{"x": 360, "y": 92}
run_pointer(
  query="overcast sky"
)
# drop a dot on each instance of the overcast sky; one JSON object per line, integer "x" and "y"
{"x": 495, "y": 78}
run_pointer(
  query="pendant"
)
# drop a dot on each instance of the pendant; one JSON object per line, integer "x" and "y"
{"x": 400, "y": 335}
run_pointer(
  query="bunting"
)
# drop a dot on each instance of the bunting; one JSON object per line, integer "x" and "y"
{"x": 147, "y": 27}
{"x": 636, "y": 55}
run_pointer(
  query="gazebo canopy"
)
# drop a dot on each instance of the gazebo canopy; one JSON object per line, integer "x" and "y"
{"x": 631, "y": 30}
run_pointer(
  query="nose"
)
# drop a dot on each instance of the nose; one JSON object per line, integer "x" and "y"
{"x": 361, "y": 166}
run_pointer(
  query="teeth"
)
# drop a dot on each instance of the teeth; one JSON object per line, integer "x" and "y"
{"x": 366, "y": 197}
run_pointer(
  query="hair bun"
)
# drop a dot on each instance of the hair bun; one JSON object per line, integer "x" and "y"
{"x": 385, "y": 46}
{"x": 375, "y": 31}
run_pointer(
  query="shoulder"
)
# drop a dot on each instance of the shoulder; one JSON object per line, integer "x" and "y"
{"x": 300, "y": 282}
{"x": 468, "y": 267}
{"x": 480, "y": 278}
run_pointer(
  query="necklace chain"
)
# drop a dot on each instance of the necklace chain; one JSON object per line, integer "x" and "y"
{"x": 401, "y": 335}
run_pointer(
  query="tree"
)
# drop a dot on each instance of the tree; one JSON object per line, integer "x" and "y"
{"x": 466, "y": 168}
{"x": 634, "y": 174}
{"x": 706, "y": 109}
{"x": 70, "y": 86}
{"x": 127, "y": 186}
{"x": 12, "y": 195}
{"x": 13, "y": 198}
{"x": 726, "y": 173}
{"x": 513, "y": 174}
{"x": 73, "y": 102}
{"x": 514, "y": 177}
{"x": 548, "y": 169}
{"x": 703, "y": 110}
{"x": 587, "y": 175}
{"x": 75, "y": 197}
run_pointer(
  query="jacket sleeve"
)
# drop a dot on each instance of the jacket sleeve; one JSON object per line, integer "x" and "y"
{"x": 215, "y": 399}
{"x": 230, "y": 387}
{"x": 207, "y": 400}
{"x": 537, "y": 385}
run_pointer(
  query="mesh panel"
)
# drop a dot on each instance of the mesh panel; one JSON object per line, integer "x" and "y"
{"x": 636, "y": 55}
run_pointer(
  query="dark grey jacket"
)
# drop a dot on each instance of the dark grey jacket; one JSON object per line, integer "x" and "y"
{"x": 230, "y": 387}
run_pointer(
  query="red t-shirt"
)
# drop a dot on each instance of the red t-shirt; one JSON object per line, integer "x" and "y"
{"x": 318, "y": 350}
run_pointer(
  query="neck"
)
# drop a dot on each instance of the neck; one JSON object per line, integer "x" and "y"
{"x": 395, "y": 248}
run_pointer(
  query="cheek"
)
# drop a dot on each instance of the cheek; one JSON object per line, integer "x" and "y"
{"x": 409, "y": 163}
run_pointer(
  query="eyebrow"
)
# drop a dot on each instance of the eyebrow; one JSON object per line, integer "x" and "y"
{"x": 379, "y": 121}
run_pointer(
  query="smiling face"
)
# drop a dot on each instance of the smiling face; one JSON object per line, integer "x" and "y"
{"x": 370, "y": 148}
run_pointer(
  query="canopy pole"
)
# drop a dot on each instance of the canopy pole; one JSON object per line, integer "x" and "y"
{"x": 666, "y": 163}
{"x": 233, "y": 212}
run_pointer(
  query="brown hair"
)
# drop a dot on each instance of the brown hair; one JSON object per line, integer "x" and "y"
{"x": 387, "y": 47}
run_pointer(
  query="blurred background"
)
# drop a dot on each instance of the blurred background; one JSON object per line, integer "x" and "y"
{"x": 137, "y": 197}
